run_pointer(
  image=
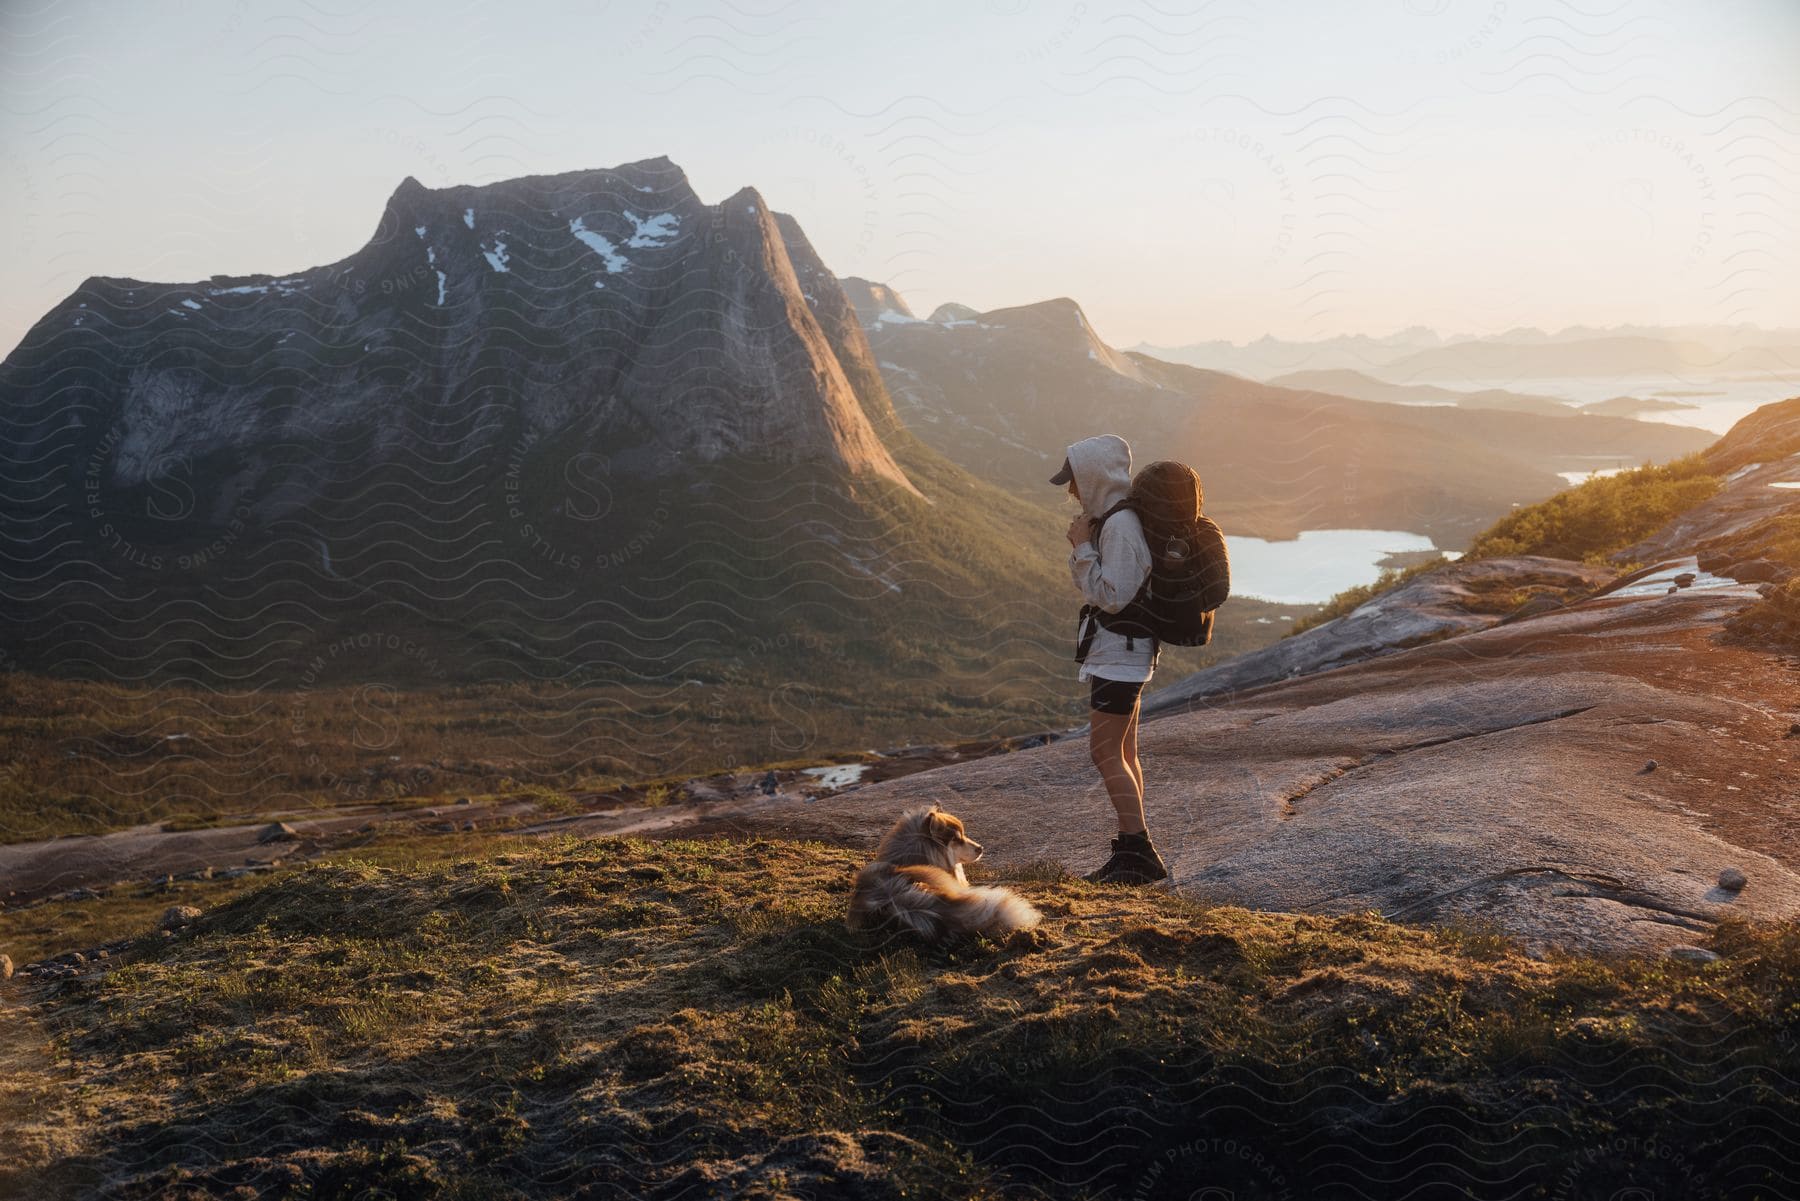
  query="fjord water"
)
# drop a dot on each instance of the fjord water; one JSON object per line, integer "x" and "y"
{"x": 1316, "y": 566}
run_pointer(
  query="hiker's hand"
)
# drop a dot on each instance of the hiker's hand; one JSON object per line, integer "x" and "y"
{"x": 1081, "y": 529}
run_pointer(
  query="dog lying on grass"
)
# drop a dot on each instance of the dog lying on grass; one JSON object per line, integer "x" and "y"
{"x": 916, "y": 883}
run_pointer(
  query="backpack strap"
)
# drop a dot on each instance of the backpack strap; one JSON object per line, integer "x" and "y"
{"x": 1101, "y": 520}
{"x": 1085, "y": 625}
{"x": 1123, "y": 622}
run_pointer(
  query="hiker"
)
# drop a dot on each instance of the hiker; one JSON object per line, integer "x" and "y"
{"x": 1109, "y": 571}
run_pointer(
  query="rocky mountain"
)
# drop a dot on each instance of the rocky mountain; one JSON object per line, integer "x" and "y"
{"x": 1267, "y": 356}
{"x": 556, "y": 424}
{"x": 874, "y": 301}
{"x": 1003, "y": 392}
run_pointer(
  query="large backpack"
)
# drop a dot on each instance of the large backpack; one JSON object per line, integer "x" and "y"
{"x": 1190, "y": 568}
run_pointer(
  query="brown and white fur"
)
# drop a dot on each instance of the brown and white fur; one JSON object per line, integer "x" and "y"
{"x": 916, "y": 882}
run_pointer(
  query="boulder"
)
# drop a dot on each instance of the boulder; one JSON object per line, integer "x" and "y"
{"x": 277, "y": 832}
{"x": 177, "y": 916}
{"x": 1733, "y": 880}
{"x": 1759, "y": 571}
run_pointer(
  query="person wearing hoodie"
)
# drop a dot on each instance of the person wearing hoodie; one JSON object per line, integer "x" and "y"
{"x": 1110, "y": 560}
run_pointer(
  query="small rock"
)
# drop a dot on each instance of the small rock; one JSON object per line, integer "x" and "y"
{"x": 277, "y": 832}
{"x": 468, "y": 825}
{"x": 463, "y": 800}
{"x": 442, "y": 827}
{"x": 1649, "y": 766}
{"x": 1693, "y": 954}
{"x": 6, "y": 967}
{"x": 1794, "y": 730}
{"x": 366, "y": 828}
{"x": 179, "y": 915}
{"x": 77, "y": 959}
{"x": 1733, "y": 879}
{"x": 103, "y": 953}
{"x": 1685, "y": 579}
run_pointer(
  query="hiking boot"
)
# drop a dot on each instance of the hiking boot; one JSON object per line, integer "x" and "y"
{"x": 1134, "y": 861}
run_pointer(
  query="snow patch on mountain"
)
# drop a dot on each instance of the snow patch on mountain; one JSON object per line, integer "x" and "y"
{"x": 652, "y": 231}
{"x": 615, "y": 262}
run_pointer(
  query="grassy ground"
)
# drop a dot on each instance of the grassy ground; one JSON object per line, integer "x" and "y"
{"x": 1594, "y": 520}
{"x": 602, "y": 1018}
{"x": 83, "y": 757}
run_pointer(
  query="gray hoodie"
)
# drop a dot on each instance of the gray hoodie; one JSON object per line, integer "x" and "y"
{"x": 1112, "y": 573}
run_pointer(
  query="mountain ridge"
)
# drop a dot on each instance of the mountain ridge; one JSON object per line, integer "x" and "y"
{"x": 1003, "y": 391}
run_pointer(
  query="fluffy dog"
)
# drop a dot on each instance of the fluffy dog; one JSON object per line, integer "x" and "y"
{"x": 916, "y": 882}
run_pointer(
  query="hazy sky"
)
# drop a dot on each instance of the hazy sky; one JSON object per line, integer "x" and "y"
{"x": 1185, "y": 170}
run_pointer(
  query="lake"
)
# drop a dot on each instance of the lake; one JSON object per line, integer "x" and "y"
{"x": 1319, "y": 564}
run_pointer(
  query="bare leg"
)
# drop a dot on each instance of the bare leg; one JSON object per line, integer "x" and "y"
{"x": 1109, "y": 735}
{"x": 1129, "y": 749}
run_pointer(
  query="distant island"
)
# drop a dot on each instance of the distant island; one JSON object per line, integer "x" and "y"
{"x": 1634, "y": 406}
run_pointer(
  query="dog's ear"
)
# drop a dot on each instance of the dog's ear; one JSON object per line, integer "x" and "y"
{"x": 941, "y": 825}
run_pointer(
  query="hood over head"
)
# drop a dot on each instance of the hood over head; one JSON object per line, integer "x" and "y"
{"x": 1102, "y": 467}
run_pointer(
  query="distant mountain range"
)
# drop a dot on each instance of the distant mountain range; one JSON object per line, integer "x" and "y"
{"x": 555, "y": 428}
{"x": 1417, "y": 353}
{"x": 1003, "y": 391}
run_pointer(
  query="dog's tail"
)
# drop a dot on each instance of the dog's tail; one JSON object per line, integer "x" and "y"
{"x": 958, "y": 908}
{"x": 988, "y": 909}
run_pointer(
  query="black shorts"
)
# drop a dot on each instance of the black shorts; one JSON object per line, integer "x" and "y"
{"x": 1115, "y": 696}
